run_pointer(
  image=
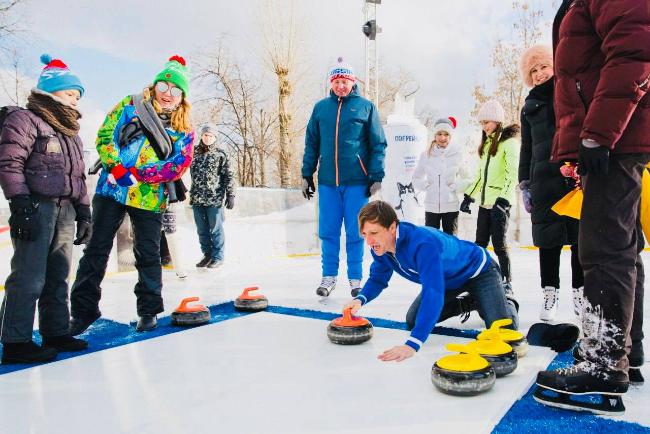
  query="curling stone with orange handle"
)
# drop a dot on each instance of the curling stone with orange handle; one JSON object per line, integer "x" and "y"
{"x": 463, "y": 374}
{"x": 511, "y": 337}
{"x": 251, "y": 303}
{"x": 188, "y": 316}
{"x": 349, "y": 329}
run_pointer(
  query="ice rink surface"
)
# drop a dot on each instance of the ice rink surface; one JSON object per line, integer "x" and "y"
{"x": 275, "y": 371}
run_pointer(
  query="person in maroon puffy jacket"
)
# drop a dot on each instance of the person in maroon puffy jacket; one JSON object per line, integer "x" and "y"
{"x": 602, "y": 67}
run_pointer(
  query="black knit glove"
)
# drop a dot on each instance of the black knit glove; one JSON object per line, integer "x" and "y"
{"x": 308, "y": 187}
{"x": 593, "y": 161}
{"x": 464, "y": 206}
{"x": 22, "y": 222}
{"x": 230, "y": 201}
{"x": 500, "y": 210}
{"x": 84, "y": 225}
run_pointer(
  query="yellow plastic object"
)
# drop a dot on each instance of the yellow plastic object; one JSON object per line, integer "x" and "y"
{"x": 570, "y": 205}
{"x": 468, "y": 361}
{"x": 506, "y": 335}
{"x": 492, "y": 346}
{"x": 645, "y": 203}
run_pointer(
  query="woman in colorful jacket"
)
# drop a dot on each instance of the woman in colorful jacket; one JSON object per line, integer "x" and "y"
{"x": 42, "y": 176}
{"x": 345, "y": 140}
{"x": 495, "y": 183}
{"x": 145, "y": 142}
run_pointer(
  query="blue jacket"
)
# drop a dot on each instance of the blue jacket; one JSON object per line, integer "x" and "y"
{"x": 438, "y": 261}
{"x": 346, "y": 140}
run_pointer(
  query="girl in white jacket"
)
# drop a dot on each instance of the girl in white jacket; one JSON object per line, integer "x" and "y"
{"x": 440, "y": 174}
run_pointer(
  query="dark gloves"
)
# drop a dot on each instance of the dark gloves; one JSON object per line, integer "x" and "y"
{"x": 230, "y": 201}
{"x": 524, "y": 186}
{"x": 22, "y": 222}
{"x": 84, "y": 225}
{"x": 464, "y": 206}
{"x": 373, "y": 188}
{"x": 593, "y": 161}
{"x": 308, "y": 187}
{"x": 500, "y": 210}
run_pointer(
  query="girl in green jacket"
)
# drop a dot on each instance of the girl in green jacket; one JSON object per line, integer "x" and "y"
{"x": 494, "y": 185}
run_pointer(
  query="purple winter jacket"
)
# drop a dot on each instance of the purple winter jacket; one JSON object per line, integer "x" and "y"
{"x": 37, "y": 160}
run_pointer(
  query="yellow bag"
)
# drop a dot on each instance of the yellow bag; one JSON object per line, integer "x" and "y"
{"x": 571, "y": 204}
{"x": 645, "y": 203}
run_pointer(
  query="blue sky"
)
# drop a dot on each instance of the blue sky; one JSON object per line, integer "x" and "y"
{"x": 117, "y": 47}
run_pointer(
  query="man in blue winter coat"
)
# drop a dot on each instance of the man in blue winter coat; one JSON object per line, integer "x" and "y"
{"x": 346, "y": 141}
{"x": 445, "y": 267}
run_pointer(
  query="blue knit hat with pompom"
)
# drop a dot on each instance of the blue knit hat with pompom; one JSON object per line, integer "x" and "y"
{"x": 56, "y": 76}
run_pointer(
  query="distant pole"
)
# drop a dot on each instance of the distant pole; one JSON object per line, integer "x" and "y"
{"x": 370, "y": 30}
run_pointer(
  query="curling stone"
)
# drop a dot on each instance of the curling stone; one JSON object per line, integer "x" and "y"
{"x": 349, "y": 329}
{"x": 511, "y": 337}
{"x": 251, "y": 303}
{"x": 499, "y": 354}
{"x": 187, "y": 316}
{"x": 463, "y": 374}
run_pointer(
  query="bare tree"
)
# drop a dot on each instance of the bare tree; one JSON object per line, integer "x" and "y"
{"x": 509, "y": 89}
{"x": 13, "y": 82}
{"x": 244, "y": 120}
{"x": 8, "y": 19}
{"x": 282, "y": 42}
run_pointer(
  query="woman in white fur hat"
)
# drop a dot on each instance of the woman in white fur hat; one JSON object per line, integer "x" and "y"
{"x": 495, "y": 183}
{"x": 542, "y": 184}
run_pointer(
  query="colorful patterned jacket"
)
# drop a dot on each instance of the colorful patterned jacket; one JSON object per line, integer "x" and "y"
{"x": 149, "y": 192}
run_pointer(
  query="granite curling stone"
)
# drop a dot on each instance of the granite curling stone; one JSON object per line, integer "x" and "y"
{"x": 499, "y": 354}
{"x": 349, "y": 329}
{"x": 251, "y": 303}
{"x": 463, "y": 374}
{"x": 511, "y": 337}
{"x": 188, "y": 316}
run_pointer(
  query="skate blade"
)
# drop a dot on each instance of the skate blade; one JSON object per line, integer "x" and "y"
{"x": 601, "y": 404}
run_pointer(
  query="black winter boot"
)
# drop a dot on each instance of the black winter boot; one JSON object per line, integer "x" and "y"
{"x": 203, "y": 262}
{"x": 78, "y": 325}
{"x": 65, "y": 343}
{"x": 147, "y": 323}
{"x": 27, "y": 352}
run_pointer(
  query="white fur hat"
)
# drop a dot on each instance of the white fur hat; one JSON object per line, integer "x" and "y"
{"x": 492, "y": 110}
{"x": 535, "y": 55}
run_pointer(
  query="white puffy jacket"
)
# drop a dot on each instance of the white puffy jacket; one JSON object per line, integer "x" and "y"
{"x": 442, "y": 176}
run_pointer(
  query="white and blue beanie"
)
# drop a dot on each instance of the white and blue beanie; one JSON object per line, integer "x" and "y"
{"x": 56, "y": 76}
{"x": 342, "y": 70}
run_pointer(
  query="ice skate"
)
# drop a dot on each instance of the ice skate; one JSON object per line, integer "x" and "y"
{"x": 327, "y": 285}
{"x": 577, "y": 388}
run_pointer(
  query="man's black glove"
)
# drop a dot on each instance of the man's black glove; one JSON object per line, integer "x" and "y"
{"x": 373, "y": 188}
{"x": 500, "y": 210}
{"x": 464, "y": 206}
{"x": 22, "y": 222}
{"x": 84, "y": 225}
{"x": 593, "y": 161}
{"x": 308, "y": 187}
{"x": 230, "y": 201}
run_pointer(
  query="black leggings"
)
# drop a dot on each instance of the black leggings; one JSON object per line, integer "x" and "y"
{"x": 449, "y": 221}
{"x": 488, "y": 227}
{"x": 549, "y": 265}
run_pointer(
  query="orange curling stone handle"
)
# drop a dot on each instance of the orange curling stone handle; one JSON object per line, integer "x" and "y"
{"x": 184, "y": 308}
{"x": 246, "y": 296}
{"x": 349, "y": 320}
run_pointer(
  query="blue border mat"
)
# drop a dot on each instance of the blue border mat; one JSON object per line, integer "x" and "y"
{"x": 525, "y": 416}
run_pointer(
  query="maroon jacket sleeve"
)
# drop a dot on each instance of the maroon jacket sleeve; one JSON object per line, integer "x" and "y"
{"x": 624, "y": 29}
{"x": 16, "y": 144}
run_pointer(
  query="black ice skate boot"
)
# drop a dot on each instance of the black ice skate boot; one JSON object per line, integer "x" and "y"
{"x": 560, "y": 388}
{"x": 26, "y": 352}
{"x": 636, "y": 359}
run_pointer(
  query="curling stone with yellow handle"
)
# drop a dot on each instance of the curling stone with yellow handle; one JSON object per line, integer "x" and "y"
{"x": 463, "y": 374}
{"x": 349, "y": 329}
{"x": 500, "y": 355}
{"x": 511, "y": 337}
